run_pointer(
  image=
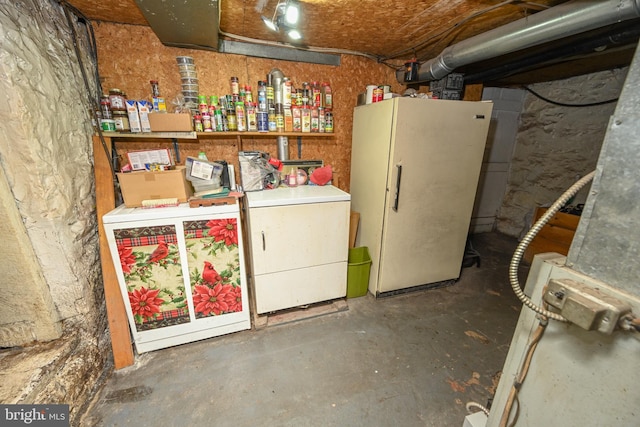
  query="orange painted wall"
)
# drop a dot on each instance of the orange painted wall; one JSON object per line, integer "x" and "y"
{"x": 129, "y": 56}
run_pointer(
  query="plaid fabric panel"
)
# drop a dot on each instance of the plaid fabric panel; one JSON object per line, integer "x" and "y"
{"x": 173, "y": 314}
{"x": 145, "y": 236}
{"x": 195, "y": 229}
{"x": 164, "y": 319}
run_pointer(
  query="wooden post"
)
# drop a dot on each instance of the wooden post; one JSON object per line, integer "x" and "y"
{"x": 473, "y": 92}
{"x": 116, "y": 314}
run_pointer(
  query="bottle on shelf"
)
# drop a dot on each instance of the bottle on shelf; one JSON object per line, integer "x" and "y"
{"x": 252, "y": 121}
{"x": 241, "y": 119}
{"x": 296, "y": 118}
{"x": 316, "y": 96}
{"x": 262, "y": 96}
{"x": 306, "y": 118}
{"x": 327, "y": 96}
{"x": 279, "y": 118}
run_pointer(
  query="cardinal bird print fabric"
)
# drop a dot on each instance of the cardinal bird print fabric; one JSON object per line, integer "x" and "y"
{"x": 213, "y": 257}
{"x": 152, "y": 271}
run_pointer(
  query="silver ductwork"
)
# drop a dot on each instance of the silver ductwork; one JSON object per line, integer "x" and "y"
{"x": 178, "y": 23}
{"x": 558, "y": 22}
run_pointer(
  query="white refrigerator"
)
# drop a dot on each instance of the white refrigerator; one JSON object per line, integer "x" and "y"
{"x": 415, "y": 165}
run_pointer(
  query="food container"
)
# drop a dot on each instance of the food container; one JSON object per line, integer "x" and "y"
{"x": 184, "y": 60}
{"x": 108, "y": 125}
{"x": 189, "y": 88}
{"x": 188, "y": 74}
{"x": 189, "y": 81}
{"x": 187, "y": 67}
{"x": 190, "y": 94}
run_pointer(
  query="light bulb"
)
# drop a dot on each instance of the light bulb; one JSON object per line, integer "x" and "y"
{"x": 294, "y": 34}
{"x": 292, "y": 13}
{"x": 269, "y": 23}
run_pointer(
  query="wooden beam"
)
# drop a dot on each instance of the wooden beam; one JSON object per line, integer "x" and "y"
{"x": 116, "y": 314}
{"x": 473, "y": 92}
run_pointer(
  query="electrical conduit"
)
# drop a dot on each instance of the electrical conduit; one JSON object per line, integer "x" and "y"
{"x": 526, "y": 240}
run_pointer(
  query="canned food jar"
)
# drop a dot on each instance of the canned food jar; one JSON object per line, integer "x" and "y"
{"x": 105, "y": 107}
{"x": 116, "y": 100}
{"x": 328, "y": 122}
{"x": 235, "y": 87}
{"x": 155, "y": 88}
{"x": 263, "y": 121}
{"x": 121, "y": 119}
{"x": 378, "y": 94}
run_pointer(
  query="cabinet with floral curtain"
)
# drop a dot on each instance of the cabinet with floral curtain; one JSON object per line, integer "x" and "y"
{"x": 181, "y": 272}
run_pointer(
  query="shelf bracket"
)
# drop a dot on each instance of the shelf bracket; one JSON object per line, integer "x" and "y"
{"x": 176, "y": 149}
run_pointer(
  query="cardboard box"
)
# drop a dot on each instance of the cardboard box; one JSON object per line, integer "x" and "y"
{"x": 170, "y": 122}
{"x": 146, "y": 185}
{"x": 555, "y": 236}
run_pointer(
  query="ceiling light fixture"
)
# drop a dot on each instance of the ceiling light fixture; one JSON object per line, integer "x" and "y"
{"x": 294, "y": 34}
{"x": 292, "y": 12}
{"x": 285, "y": 17}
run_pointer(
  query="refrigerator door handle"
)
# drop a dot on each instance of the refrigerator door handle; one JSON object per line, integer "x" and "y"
{"x": 396, "y": 197}
{"x": 264, "y": 243}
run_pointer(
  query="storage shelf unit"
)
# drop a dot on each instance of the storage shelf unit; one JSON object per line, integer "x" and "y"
{"x": 106, "y": 201}
{"x": 204, "y": 135}
{"x": 173, "y": 260}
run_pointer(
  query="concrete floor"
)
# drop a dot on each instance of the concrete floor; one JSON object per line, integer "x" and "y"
{"x": 409, "y": 360}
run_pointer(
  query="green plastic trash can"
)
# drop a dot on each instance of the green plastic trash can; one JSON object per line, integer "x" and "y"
{"x": 358, "y": 267}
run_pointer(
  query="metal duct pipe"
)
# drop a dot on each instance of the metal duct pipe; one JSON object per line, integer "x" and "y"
{"x": 283, "y": 147}
{"x": 550, "y": 56}
{"x": 552, "y": 24}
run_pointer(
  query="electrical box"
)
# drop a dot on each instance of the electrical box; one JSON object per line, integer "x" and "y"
{"x": 585, "y": 306}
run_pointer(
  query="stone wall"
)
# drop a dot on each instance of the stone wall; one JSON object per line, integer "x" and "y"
{"x": 46, "y": 162}
{"x": 556, "y": 145}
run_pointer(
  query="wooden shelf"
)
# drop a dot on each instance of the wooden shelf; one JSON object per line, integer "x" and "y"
{"x": 156, "y": 135}
{"x": 204, "y": 135}
{"x": 267, "y": 134}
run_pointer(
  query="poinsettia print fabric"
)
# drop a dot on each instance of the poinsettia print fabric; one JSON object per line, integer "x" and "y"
{"x": 213, "y": 257}
{"x": 153, "y": 276}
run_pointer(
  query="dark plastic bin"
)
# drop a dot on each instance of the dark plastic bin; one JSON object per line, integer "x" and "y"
{"x": 358, "y": 267}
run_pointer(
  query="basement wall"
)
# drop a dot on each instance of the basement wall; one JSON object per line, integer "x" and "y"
{"x": 50, "y": 282}
{"x": 556, "y": 145}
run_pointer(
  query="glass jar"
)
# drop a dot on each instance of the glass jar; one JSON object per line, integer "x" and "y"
{"x": 235, "y": 87}
{"x": 121, "y": 120}
{"x": 116, "y": 100}
{"x": 105, "y": 108}
{"x": 316, "y": 96}
{"x": 328, "y": 122}
{"x": 155, "y": 88}
{"x": 279, "y": 118}
{"x": 241, "y": 119}
{"x": 327, "y": 96}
